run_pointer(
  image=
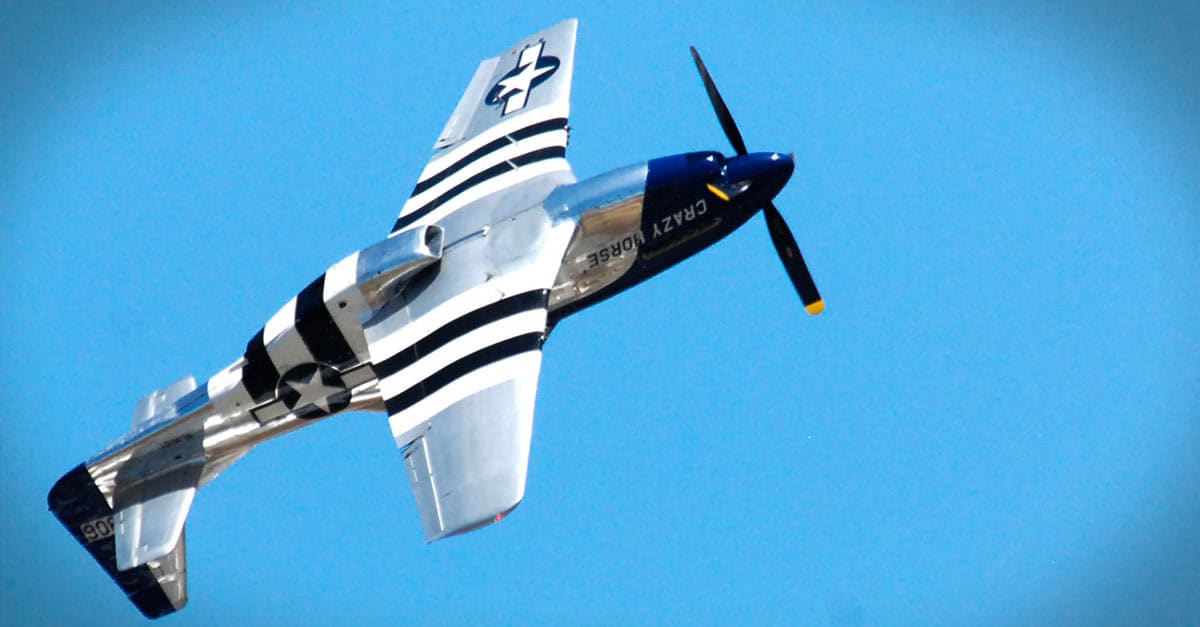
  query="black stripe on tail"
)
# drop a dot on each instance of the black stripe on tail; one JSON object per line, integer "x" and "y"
{"x": 81, "y": 508}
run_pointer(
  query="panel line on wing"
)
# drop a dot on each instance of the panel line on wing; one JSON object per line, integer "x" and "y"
{"x": 461, "y": 326}
{"x": 502, "y": 129}
{"x": 427, "y": 364}
{"x": 510, "y": 178}
{"x": 471, "y": 170}
{"x": 437, "y": 506}
{"x": 480, "y": 358}
{"x": 407, "y": 333}
{"x": 429, "y": 321}
{"x": 494, "y": 172}
{"x": 406, "y": 422}
{"x": 546, "y": 126}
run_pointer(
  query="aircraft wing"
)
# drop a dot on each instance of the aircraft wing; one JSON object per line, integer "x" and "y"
{"x": 457, "y": 354}
{"x": 510, "y": 126}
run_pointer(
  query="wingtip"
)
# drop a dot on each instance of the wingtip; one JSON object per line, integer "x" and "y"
{"x": 815, "y": 308}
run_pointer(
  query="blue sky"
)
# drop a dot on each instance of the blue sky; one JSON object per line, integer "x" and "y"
{"x": 994, "y": 422}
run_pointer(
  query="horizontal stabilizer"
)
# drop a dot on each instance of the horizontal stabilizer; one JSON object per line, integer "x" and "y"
{"x": 148, "y": 531}
{"x": 151, "y": 512}
{"x": 157, "y": 588}
{"x": 151, "y": 407}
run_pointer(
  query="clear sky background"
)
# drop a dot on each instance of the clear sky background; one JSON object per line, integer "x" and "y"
{"x": 995, "y": 421}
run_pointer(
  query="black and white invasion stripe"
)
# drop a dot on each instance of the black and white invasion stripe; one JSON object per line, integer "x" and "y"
{"x": 531, "y": 143}
{"x": 305, "y": 330}
{"x": 448, "y": 362}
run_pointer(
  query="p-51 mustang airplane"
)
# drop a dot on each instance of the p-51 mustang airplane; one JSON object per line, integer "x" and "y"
{"x": 441, "y": 324}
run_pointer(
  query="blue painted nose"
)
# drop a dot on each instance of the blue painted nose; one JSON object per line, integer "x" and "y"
{"x": 765, "y": 172}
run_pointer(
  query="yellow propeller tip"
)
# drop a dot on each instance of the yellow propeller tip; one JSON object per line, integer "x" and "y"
{"x": 815, "y": 308}
{"x": 718, "y": 192}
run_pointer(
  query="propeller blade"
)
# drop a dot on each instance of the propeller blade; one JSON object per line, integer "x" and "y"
{"x": 793, "y": 261}
{"x": 718, "y": 103}
{"x": 781, "y": 235}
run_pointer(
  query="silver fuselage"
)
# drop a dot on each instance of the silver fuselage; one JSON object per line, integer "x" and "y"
{"x": 630, "y": 224}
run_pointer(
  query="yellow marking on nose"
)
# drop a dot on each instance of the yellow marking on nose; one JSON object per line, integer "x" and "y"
{"x": 717, "y": 192}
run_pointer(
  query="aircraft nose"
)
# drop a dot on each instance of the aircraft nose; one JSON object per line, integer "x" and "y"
{"x": 769, "y": 172}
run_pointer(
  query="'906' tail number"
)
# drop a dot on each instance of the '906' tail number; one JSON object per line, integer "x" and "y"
{"x": 98, "y": 529}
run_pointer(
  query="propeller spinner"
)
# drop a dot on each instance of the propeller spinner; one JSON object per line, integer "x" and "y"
{"x": 781, "y": 235}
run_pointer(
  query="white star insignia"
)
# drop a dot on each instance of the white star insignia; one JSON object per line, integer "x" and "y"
{"x": 514, "y": 90}
{"x": 314, "y": 392}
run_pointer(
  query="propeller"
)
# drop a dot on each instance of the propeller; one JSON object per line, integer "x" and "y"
{"x": 781, "y": 235}
{"x": 718, "y": 103}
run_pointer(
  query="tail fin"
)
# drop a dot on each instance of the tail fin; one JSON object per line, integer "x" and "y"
{"x": 158, "y": 587}
{"x": 159, "y": 406}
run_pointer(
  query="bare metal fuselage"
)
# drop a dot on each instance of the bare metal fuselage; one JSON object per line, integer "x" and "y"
{"x": 217, "y": 422}
{"x": 311, "y": 359}
{"x": 630, "y": 223}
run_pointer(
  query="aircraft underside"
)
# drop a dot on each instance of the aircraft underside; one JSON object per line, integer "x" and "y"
{"x": 440, "y": 325}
